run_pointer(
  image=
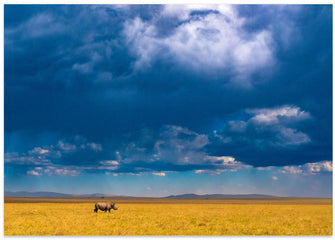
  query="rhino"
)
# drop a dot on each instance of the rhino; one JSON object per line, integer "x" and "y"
{"x": 104, "y": 206}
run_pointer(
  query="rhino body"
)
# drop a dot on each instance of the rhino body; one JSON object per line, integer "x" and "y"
{"x": 104, "y": 206}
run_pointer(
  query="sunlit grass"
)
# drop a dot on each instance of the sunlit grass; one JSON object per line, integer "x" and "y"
{"x": 167, "y": 219}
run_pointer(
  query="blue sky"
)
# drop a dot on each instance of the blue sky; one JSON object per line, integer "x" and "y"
{"x": 153, "y": 100}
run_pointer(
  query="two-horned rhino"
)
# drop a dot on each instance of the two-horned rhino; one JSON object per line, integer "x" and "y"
{"x": 104, "y": 206}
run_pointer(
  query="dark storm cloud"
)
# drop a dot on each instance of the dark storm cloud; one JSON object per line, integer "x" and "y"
{"x": 270, "y": 137}
{"x": 171, "y": 148}
{"x": 118, "y": 75}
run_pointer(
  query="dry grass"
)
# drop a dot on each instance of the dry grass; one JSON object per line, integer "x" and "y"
{"x": 173, "y": 218}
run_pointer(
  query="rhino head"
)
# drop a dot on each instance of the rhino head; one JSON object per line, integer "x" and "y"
{"x": 114, "y": 207}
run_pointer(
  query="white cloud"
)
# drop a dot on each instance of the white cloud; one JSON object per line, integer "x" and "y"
{"x": 224, "y": 159}
{"x": 61, "y": 171}
{"x": 111, "y": 173}
{"x": 274, "y": 115}
{"x": 162, "y": 174}
{"x": 215, "y": 42}
{"x": 25, "y": 158}
{"x": 141, "y": 37}
{"x": 308, "y": 168}
{"x": 264, "y": 168}
{"x": 108, "y": 165}
{"x": 33, "y": 172}
{"x": 274, "y": 178}
{"x": 288, "y": 136}
{"x": 109, "y": 162}
{"x": 66, "y": 147}
{"x": 325, "y": 166}
{"x": 39, "y": 150}
{"x": 95, "y": 146}
{"x": 79, "y": 142}
{"x": 292, "y": 169}
{"x": 221, "y": 164}
{"x": 211, "y": 172}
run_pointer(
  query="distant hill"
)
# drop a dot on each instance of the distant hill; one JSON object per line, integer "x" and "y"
{"x": 191, "y": 195}
{"x": 49, "y": 194}
{"x": 92, "y": 195}
{"x": 35, "y": 194}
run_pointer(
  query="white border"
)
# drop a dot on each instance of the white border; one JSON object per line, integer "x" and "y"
{"x": 146, "y": 2}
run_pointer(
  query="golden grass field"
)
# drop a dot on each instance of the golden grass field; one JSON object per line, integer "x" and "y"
{"x": 280, "y": 216}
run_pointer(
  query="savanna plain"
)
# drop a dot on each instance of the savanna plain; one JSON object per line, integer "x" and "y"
{"x": 158, "y": 216}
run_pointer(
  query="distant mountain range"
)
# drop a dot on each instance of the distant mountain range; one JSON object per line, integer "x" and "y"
{"x": 64, "y": 195}
{"x": 48, "y": 194}
{"x": 191, "y": 195}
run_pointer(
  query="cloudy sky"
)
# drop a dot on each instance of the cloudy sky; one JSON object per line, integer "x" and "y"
{"x": 153, "y": 100}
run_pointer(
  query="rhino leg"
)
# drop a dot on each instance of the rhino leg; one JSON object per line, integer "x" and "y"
{"x": 96, "y": 208}
{"x": 109, "y": 210}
